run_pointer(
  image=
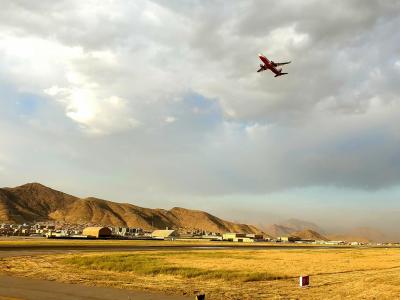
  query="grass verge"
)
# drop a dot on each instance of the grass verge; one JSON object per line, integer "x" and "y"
{"x": 356, "y": 273}
{"x": 152, "y": 266}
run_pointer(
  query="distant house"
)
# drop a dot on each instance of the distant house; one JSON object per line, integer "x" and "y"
{"x": 212, "y": 237}
{"x": 336, "y": 242}
{"x": 237, "y": 237}
{"x": 97, "y": 232}
{"x": 305, "y": 241}
{"x": 255, "y": 236}
{"x": 231, "y": 236}
{"x": 126, "y": 231}
{"x": 288, "y": 239}
{"x": 164, "y": 234}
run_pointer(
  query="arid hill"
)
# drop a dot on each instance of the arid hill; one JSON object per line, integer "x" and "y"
{"x": 299, "y": 225}
{"x": 309, "y": 234}
{"x": 35, "y": 202}
{"x": 304, "y": 229}
{"x": 281, "y": 230}
{"x": 276, "y": 230}
{"x": 362, "y": 235}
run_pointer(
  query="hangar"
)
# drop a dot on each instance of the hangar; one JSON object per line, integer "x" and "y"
{"x": 97, "y": 232}
{"x": 164, "y": 234}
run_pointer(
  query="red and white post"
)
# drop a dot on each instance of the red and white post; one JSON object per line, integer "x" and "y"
{"x": 304, "y": 280}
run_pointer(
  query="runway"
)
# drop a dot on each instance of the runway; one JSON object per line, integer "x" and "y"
{"x": 34, "y": 289}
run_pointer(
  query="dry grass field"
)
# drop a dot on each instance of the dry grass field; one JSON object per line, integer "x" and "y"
{"x": 228, "y": 274}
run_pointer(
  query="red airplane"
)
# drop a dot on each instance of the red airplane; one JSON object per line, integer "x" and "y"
{"x": 270, "y": 65}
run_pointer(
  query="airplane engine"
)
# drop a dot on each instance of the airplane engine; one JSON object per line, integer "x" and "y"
{"x": 261, "y": 66}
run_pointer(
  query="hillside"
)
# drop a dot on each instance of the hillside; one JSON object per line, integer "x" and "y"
{"x": 299, "y": 225}
{"x": 276, "y": 230}
{"x": 308, "y": 230}
{"x": 309, "y": 234}
{"x": 362, "y": 235}
{"x": 35, "y": 202}
{"x": 290, "y": 226}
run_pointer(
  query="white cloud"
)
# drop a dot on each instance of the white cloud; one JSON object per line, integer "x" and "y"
{"x": 115, "y": 66}
{"x": 151, "y": 53}
{"x": 170, "y": 119}
{"x": 283, "y": 38}
{"x": 256, "y": 130}
{"x": 2, "y": 167}
{"x": 95, "y": 114}
{"x": 33, "y": 62}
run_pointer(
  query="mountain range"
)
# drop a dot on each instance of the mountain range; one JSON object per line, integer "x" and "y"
{"x": 361, "y": 234}
{"x": 291, "y": 226}
{"x": 35, "y": 202}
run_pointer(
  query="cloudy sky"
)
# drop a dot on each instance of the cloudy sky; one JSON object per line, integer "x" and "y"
{"x": 158, "y": 103}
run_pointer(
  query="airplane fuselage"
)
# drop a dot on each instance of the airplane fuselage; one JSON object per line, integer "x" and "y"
{"x": 272, "y": 68}
{"x": 270, "y": 65}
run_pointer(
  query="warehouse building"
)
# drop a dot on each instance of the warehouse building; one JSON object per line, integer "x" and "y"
{"x": 288, "y": 239}
{"x": 164, "y": 234}
{"x": 232, "y": 236}
{"x": 237, "y": 237}
{"x": 97, "y": 232}
{"x": 255, "y": 236}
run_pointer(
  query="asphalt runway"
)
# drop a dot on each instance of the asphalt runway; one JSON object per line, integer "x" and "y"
{"x": 49, "y": 249}
{"x": 17, "y": 288}
{"x": 35, "y": 289}
{"x": 85, "y": 248}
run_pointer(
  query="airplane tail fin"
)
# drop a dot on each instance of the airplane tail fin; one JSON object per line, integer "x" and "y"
{"x": 280, "y": 74}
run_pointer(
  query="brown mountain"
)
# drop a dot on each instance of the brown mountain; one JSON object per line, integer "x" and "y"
{"x": 294, "y": 227}
{"x": 276, "y": 230}
{"x": 35, "y": 202}
{"x": 309, "y": 234}
{"x": 290, "y": 226}
{"x": 362, "y": 235}
{"x": 281, "y": 230}
{"x": 299, "y": 225}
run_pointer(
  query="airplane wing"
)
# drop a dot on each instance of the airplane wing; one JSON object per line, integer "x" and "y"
{"x": 281, "y": 64}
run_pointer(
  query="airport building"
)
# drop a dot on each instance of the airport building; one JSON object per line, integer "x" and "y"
{"x": 97, "y": 232}
{"x": 288, "y": 239}
{"x": 237, "y": 237}
{"x": 164, "y": 234}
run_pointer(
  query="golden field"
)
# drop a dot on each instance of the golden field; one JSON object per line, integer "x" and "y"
{"x": 369, "y": 273}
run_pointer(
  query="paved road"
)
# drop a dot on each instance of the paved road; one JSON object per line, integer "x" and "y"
{"x": 34, "y": 289}
{"x": 106, "y": 248}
